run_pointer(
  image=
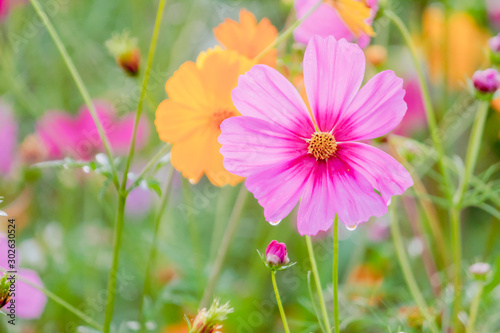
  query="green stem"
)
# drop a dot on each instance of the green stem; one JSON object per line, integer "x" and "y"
{"x": 152, "y": 252}
{"x": 111, "y": 293}
{"x": 474, "y": 307}
{"x": 406, "y": 268}
{"x": 278, "y": 300}
{"x": 317, "y": 281}
{"x": 161, "y": 153}
{"x": 224, "y": 246}
{"x": 472, "y": 150}
{"x": 470, "y": 164}
{"x": 335, "y": 274}
{"x": 287, "y": 33}
{"x": 151, "y": 54}
{"x": 81, "y": 87}
{"x": 429, "y": 109}
{"x": 63, "y": 303}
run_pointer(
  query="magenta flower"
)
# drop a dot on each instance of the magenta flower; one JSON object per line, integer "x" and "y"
{"x": 65, "y": 135}
{"x": 288, "y": 156}
{"x": 8, "y": 139}
{"x": 487, "y": 81}
{"x": 30, "y": 302}
{"x": 493, "y": 7}
{"x": 325, "y": 21}
{"x": 494, "y": 43}
{"x": 276, "y": 254}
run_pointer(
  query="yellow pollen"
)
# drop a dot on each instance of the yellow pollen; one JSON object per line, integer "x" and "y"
{"x": 221, "y": 115}
{"x": 322, "y": 145}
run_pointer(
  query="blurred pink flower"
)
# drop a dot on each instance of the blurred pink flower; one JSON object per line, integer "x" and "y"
{"x": 6, "y": 5}
{"x": 493, "y": 7}
{"x": 325, "y": 21}
{"x": 30, "y": 302}
{"x": 286, "y": 158}
{"x": 415, "y": 118}
{"x": 8, "y": 139}
{"x": 78, "y": 137}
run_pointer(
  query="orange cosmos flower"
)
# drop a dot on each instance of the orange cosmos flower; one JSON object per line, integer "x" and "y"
{"x": 465, "y": 45}
{"x": 199, "y": 100}
{"x": 248, "y": 37}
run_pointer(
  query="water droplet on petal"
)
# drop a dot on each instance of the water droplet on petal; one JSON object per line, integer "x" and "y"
{"x": 275, "y": 223}
{"x": 351, "y": 227}
{"x": 192, "y": 181}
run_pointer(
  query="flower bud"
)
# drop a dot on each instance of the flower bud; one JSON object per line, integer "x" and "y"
{"x": 376, "y": 55}
{"x": 4, "y": 291}
{"x": 125, "y": 50}
{"x": 480, "y": 270}
{"x": 276, "y": 255}
{"x": 486, "y": 82}
{"x": 209, "y": 321}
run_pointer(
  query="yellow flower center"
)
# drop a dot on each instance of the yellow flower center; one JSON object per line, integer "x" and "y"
{"x": 322, "y": 145}
{"x": 221, "y": 115}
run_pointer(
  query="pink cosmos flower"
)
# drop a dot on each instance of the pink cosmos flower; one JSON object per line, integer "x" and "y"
{"x": 288, "y": 154}
{"x": 8, "y": 139}
{"x": 325, "y": 21}
{"x": 493, "y": 7}
{"x": 78, "y": 137}
{"x": 30, "y": 302}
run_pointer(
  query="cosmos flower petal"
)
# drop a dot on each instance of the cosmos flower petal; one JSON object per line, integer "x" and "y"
{"x": 265, "y": 94}
{"x": 384, "y": 173}
{"x": 58, "y": 132}
{"x": 30, "y": 302}
{"x": 334, "y": 187}
{"x": 278, "y": 187}
{"x": 250, "y": 144}
{"x": 316, "y": 211}
{"x": 333, "y": 73}
{"x": 377, "y": 109}
{"x": 248, "y": 37}
{"x": 322, "y": 22}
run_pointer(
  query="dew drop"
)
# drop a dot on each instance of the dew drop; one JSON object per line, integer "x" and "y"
{"x": 351, "y": 227}
{"x": 275, "y": 223}
{"x": 192, "y": 181}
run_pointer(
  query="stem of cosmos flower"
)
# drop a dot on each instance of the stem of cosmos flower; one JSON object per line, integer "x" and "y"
{"x": 147, "y": 74}
{"x": 278, "y": 300}
{"x": 335, "y": 274}
{"x": 287, "y": 33}
{"x": 152, "y": 162}
{"x": 152, "y": 253}
{"x": 81, "y": 87}
{"x": 429, "y": 109}
{"x": 470, "y": 163}
{"x": 117, "y": 240}
{"x": 317, "y": 281}
{"x": 224, "y": 246}
{"x": 406, "y": 268}
{"x": 474, "y": 307}
{"x": 61, "y": 302}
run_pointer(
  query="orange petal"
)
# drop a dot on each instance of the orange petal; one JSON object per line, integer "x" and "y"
{"x": 354, "y": 14}
{"x": 175, "y": 120}
{"x": 187, "y": 87}
{"x": 248, "y": 37}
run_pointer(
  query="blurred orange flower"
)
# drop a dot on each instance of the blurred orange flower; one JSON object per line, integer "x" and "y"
{"x": 364, "y": 282}
{"x": 465, "y": 45}
{"x": 199, "y": 100}
{"x": 248, "y": 37}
